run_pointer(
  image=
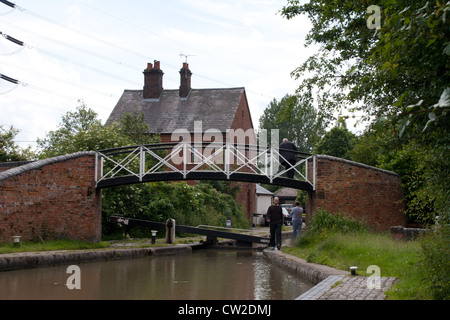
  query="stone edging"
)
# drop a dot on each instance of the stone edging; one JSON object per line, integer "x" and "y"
{"x": 24, "y": 260}
{"x": 315, "y": 273}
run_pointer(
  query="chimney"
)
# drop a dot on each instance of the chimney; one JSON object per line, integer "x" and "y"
{"x": 185, "y": 83}
{"x": 153, "y": 81}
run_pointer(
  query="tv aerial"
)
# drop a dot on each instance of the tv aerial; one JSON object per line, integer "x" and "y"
{"x": 186, "y": 56}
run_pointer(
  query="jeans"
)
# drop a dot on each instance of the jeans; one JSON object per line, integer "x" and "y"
{"x": 275, "y": 233}
{"x": 296, "y": 228}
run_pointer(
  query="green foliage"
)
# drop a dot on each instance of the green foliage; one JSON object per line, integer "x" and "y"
{"x": 9, "y": 151}
{"x": 435, "y": 261}
{"x": 159, "y": 201}
{"x": 80, "y": 131}
{"x": 339, "y": 242}
{"x": 377, "y": 71}
{"x": 61, "y": 244}
{"x": 296, "y": 119}
{"x": 337, "y": 142}
{"x": 398, "y": 259}
{"x": 398, "y": 75}
{"x": 133, "y": 125}
{"x": 323, "y": 224}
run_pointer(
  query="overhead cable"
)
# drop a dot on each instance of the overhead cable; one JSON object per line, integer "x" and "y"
{"x": 9, "y": 79}
{"x": 18, "y": 42}
{"x": 9, "y": 4}
{"x": 94, "y": 54}
{"x": 74, "y": 30}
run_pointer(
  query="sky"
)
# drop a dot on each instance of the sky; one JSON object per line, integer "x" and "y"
{"x": 92, "y": 50}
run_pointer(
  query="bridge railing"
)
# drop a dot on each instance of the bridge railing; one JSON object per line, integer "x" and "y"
{"x": 186, "y": 158}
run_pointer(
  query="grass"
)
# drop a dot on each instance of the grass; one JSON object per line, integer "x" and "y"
{"x": 341, "y": 242}
{"x": 51, "y": 246}
{"x": 363, "y": 249}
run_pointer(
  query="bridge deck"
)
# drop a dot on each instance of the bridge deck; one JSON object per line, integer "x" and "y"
{"x": 163, "y": 162}
{"x": 193, "y": 230}
{"x": 204, "y": 175}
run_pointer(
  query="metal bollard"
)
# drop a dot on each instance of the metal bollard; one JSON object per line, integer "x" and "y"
{"x": 228, "y": 224}
{"x": 154, "y": 236}
{"x": 170, "y": 231}
{"x": 16, "y": 240}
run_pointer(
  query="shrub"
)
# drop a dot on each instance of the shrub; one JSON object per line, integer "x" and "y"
{"x": 435, "y": 261}
{"x": 159, "y": 201}
{"x": 323, "y": 222}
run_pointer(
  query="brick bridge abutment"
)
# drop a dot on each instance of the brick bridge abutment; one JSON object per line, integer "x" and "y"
{"x": 51, "y": 198}
{"x": 359, "y": 191}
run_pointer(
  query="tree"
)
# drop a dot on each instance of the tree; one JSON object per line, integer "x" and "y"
{"x": 134, "y": 126}
{"x": 296, "y": 119}
{"x": 396, "y": 72}
{"x": 9, "y": 150}
{"x": 337, "y": 142}
{"x": 381, "y": 71}
{"x": 83, "y": 131}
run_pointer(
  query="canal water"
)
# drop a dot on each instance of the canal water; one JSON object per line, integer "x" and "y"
{"x": 202, "y": 275}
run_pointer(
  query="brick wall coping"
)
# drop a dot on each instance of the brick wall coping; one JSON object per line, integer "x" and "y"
{"x": 13, "y": 164}
{"x": 362, "y": 165}
{"x": 41, "y": 163}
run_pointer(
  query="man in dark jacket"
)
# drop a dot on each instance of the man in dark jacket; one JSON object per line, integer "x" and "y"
{"x": 275, "y": 218}
{"x": 287, "y": 152}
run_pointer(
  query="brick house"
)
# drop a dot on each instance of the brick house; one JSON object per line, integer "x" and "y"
{"x": 193, "y": 110}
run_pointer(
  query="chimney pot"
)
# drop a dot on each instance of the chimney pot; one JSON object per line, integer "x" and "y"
{"x": 185, "y": 80}
{"x": 153, "y": 81}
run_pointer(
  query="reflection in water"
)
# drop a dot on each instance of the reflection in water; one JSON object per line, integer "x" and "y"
{"x": 203, "y": 275}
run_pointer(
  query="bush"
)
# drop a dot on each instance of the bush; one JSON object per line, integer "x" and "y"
{"x": 159, "y": 201}
{"x": 323, "y": 223}
{"x": 435, "y": 261}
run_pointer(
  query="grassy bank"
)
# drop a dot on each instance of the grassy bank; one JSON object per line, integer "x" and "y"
{"x": 342, "y": 243}
{"x": 51, "y": 246}
{"x": 395, "y": 259}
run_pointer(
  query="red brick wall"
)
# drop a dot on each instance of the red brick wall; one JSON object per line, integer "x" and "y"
{"x": 52, "y": 198}
{"x": 363, "y": 192}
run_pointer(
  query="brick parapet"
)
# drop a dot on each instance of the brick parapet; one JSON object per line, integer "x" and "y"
{"x": 51, "y": 198}
{"x": 367, "y": 193}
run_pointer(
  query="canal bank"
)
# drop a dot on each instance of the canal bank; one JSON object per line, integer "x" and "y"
{"x": 330, "y": 283}
{"x": 26, "y": 260}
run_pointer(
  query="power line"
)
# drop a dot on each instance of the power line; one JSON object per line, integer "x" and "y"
{"x": 6, "y": 78}
{"x": 59, "y": 80}
{"x": 177, "y": 42}
{"x": 122, "y": 48}
{"x": 50, "y": 92}
{"x": 94, "y": 54}
{"x": 61, "y": 25}
{"x": 46, "y": 52}
{"x": 9, "y": 4}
